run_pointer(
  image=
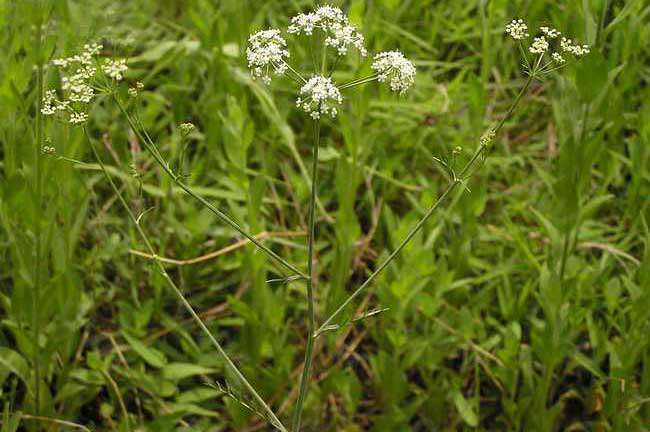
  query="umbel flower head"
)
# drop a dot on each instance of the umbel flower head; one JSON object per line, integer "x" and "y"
{"x": 78, "y": 90}
{"x": 393, "y": 67}
{"x": 339, "y": 33}
{"x": 320, "y": 95}
{"x": 548, "y": 43}
{"x": 267, "y": 51}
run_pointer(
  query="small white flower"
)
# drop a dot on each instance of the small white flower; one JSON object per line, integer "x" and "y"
{"x": 339, "y": 33}
{"x": 342, "y": 37}
{"x": 539, "y": 45}
{"x": 577, "y": 50}
{"x": 49, "y": 106}
{"x": 115, "y": 68}
{"x": 135, "y": 91}
{"x": 393, "y": 67}
{"x": 77, "y": 85}
{"x": 517, "y": 29}
{"x": 319, "y": 96}
{"x": 557, "y": 58}
{"x": 266, "y": 51}
{"x": 83, "y": 59}
{"x": 550, "y": 32}
{"x": 78, "y": 118}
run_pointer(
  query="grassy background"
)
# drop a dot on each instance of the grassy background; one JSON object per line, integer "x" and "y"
{"x": 484, "y": 331}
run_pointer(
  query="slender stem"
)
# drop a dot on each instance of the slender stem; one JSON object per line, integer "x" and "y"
{"x": 459, "y": 179}
{"x": 358, "y": 81}
{"x": 311, "y": 323}
{"x": 390, "y": 258}
{"x": 151, "y": 147}
{"x": 229, "y": 363}
{"x": 36, "y": 293}
{"x": 296, "y": 74}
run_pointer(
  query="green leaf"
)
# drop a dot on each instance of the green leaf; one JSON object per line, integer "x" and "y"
{"x": 465, "y": 409}
{"x": 151, "y": 355}
{"x": 178, "y": 371}
{"x": 591, "y": 76}
{"x": 12, "y": 362}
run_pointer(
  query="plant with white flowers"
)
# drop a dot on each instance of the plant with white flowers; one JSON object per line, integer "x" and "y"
{"x": 267, "y": 51}
{"x": 548, "y": 49}
{"x": 82, "y": 78}
{"x": 320, "y": 96}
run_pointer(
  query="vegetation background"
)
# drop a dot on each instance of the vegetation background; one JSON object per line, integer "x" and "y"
{"x": 522, "y": 306}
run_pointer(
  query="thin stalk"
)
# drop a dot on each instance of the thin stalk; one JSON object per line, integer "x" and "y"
{"x": 36, "y": 294}
{"x": 358, "y": 81}
{"x": 151, "y": 147}
{"x": 229, "y": 363}
{"x": 327, "y": 325}
{"x": 297, "y": 77}
{"x": 311, "y": 323}
{"x": 390, "y": 258}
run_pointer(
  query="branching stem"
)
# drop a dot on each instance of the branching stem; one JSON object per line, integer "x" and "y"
{"x": 456, "y": 181}
{"x": 151, "y": 147}
{"x": 222, "y": 353}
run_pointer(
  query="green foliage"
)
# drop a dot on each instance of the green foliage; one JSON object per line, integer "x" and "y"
{"x": 523, "y": 305}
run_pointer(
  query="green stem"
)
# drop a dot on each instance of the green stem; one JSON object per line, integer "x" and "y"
{"x": 151, "y": 147}
{"x": 358, "y": 81}
{"x": 327, "y": 325}
{"x": 229, "y": 363}
{"x": 306, "y": 371}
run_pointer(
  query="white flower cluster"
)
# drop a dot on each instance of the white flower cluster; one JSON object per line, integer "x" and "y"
{"x": 550, "y": 32}
{"x": 539, "y": 45}
{"x": 79, "y": 71}
{"x": 115, "y": 68}
{"x": 84, "y": 59}
{"x": 78, "y": 117}
{"x": 266, "y": 51}
{"x": 135, "y": 91}
{"x": 77, "y": 74}
{"x": 339, "y": 33}
{"x": 577, "y": 50}
{"x": 517, "y": 29}
{"x": 51, "y": 104}
{"x": 319, "y": 96}
{"x": 393, "y": 67}
{"x": 557, "y": 58}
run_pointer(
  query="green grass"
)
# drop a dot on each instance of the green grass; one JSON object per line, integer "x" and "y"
{"x": 523, "y": 305}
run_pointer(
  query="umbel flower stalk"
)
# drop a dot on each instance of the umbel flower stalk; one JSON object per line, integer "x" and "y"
{"x": 320, "y": 97}
{"x": 535, "y": 68}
